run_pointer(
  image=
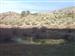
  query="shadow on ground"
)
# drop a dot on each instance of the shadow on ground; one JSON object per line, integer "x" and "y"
{"x": 7, "y": 34}
{"x": 8, "y": 47}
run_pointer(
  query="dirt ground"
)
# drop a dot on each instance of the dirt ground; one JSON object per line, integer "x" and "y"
{"x": 37, "y": 50}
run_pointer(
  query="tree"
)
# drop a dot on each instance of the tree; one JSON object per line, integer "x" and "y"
{"x": 22, "y": 13}
{"x": 25, "y": 13}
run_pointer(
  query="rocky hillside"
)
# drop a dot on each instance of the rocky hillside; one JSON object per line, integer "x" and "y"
{"x": 64, "y": 18}
{"x": 38, "y": 25}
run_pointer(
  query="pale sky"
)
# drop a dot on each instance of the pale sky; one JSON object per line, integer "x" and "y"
{"x": 34, "y": 5}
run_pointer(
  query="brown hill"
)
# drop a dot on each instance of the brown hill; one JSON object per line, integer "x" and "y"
{"x": 64, "y": 18}
{"x": 11, "y": 15}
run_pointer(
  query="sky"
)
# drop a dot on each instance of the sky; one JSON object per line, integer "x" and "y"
{"x": 34, "y": 5}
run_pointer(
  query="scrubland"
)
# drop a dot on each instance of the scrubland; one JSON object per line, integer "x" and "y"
{"x": 50, "y": 33}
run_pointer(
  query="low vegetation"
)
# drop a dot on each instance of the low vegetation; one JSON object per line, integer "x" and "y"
{"x": 41, "y": 41}
{"x": 49, "y": 41}
{"x": 56, "y": 19}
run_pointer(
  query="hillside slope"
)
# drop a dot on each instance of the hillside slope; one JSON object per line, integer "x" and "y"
{"x": 64, "y": 18}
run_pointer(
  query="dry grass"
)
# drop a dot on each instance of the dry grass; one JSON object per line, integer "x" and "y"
{"x": 55, "y": 19}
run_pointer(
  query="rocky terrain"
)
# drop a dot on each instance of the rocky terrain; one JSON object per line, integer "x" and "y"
{"x": 54, "y": 29}
{"x": 62, "y": 18}
{"x": 55, "y": 24}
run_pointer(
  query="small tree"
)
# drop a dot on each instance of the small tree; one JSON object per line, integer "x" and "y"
{"x": 25, "y": 13}
{"x": 22, "y": 13}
